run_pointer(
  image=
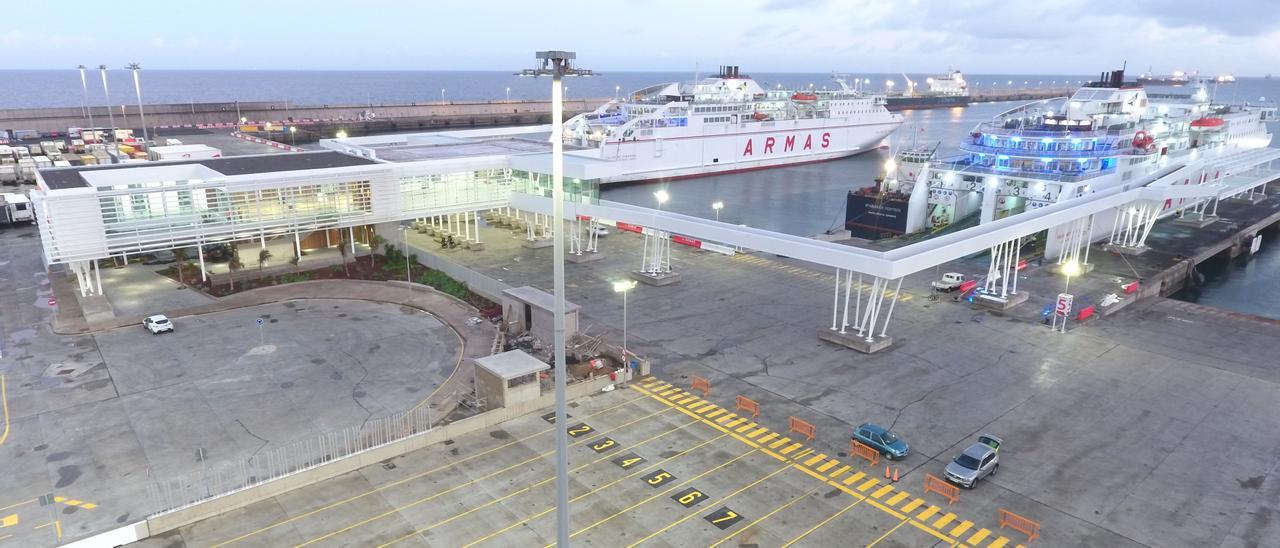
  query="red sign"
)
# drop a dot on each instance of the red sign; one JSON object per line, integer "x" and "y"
{"x": 630, "y": 227}
{"x": 685, "y": 240}
{"x": 53, "y": 301}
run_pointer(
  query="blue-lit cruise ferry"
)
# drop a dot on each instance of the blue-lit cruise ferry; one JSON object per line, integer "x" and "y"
{"x": 1107, "y": 133}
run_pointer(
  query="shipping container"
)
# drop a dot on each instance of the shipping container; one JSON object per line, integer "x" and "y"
{"x": 9, "y": 173}
{"x": 26, "y": 134}
{"x": 88, "y": 159}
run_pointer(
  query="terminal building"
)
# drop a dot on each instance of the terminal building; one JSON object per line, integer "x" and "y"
{"x": 315, "y": 198}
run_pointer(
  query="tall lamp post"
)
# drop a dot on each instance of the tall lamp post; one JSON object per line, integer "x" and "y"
{"x": 404, "y": 241}
{"x": 717, "y": 206}
{"x": 107, "y": 97}
{"x": 137, "y": 88}
{"x": 293, "y": 135}
{"x": 623, "y": 287}
{"x": 84, "y": 87}
{"x": 508, "y": 95}
{"x": 558, "y": 64}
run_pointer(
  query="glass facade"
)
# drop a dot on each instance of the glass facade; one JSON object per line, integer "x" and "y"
{"x": 584, "y": 191}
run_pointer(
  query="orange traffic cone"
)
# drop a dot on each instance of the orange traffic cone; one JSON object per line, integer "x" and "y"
{"x": 895, "y": 475}
{"x": 886, "y": 472}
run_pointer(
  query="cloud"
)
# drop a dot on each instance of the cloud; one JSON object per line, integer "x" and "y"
{"x": 782, "y": 5}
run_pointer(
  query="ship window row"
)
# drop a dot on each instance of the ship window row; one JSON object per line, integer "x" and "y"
{"x": 716, "y": 119}
{"x": 716, "y": 109}
{"x": 1042, "y": 165}
{"x": 1052, "y": 145}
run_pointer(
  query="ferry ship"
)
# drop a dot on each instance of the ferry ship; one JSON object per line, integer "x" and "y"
{"x": 1178, "y": 78}
{"x": 1107, "y": 133}
{"x": 728, "y": 123}
{"x": 942, "y": 91}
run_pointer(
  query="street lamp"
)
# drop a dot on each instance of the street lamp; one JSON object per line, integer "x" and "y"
{"x": 267, "y": 127}
{"x": 623, "y": 287}
{"x": 111, "y": 115}
{"x": 558, "y": 64}
{"x": 717, "y": 206}
{"x": 137, "y": 88}
{"x": 616, "y": 90}
{"x": 293, "y": 139}
{"x": 1070, "y": 268}
{"x": 341, "y": 134}
{"x": 243, "y": 120}
{"x": 404, "y": 241}
{"x": 442, "y": 95}
{"x": 508, "y": 95}
{"x": 662, "y": 198}
{"x": 84, "y": 86}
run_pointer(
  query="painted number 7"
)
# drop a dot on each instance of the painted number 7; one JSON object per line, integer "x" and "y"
{"x": 728, "y": 515}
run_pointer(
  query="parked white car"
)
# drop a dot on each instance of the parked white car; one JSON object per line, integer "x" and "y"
{"x": 158, "y": 324}
{"x": 600, "y": 231}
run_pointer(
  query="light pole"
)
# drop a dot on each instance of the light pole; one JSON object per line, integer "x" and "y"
{"x": 293, "y": 135}
{"x": 717, "y": 206}
{"x": 84, "y": 87}
{"x": 238, "y": 116}
{"x": 441, "y": 95}
{"x": 558, "y": 64}
{"x": 623, "y": 287}
{"x": 267, "y": 127}
{"x": 508, "y": 95}
{"x": 662, "y": 198}
{"x": 616, "y": 90}
{"x": 137, "y": 88}
{"x": 341, "y": 134}
{"x": 1070, "y": 268}
{"x": 115, "y": 143}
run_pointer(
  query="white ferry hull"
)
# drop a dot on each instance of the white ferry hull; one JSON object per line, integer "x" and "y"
{"x": 710, "y": 154}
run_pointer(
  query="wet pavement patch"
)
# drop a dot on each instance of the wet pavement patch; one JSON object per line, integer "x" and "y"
{"x": 286, "y": 385}
{"x": 67, "y": 475}
{"x": 55, "y": 457}
{"x": 500, "y": 435}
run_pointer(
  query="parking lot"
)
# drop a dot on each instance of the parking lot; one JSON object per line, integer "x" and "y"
{"x": 651, "y": 465}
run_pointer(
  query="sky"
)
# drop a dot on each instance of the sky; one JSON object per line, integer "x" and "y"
{"x": 978, "y": 36}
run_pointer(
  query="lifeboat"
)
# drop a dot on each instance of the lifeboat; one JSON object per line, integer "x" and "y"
{"x": 760, "y": 116}
{"x": 804, "y": 97}
{"x": 1208, "y": 123}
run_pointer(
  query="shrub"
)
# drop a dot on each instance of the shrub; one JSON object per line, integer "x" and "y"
{"x": 445, "y": 284}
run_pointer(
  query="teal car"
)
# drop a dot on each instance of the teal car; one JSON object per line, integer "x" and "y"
{"x": 881, "y": 439}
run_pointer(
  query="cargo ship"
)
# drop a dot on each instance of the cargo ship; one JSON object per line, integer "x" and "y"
{"x": 881, "y": 211}
{"x": 1178, "y": 78}
{"x": 727, "y": 123}
{"x": 943, "y": 91}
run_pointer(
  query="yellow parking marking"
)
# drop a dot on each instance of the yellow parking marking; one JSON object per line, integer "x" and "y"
{"x": 75, "y": 502}
{"x": 977, "y": 537}
{"x": 893, "y": 501}
{"x": 829, "y": 465}
{"x": 868, "y": 485}
{"x": 420, "y": 475}
{"x": 815, "y": 459}
{"x": 498, "y": 500}
{"x": 960, "y": 529}
{"x": 766, "y": 439}
{"x": 849, "y": 480}
{"x": 781, "y": 442}
{"x": 718, "y": 411}
{"x": 928, "y": 513}
{"x": 802, "y": 454}
{"x": 999, "y": 543}
{"x": 823, "y": 522}
{"x": 9, "y": 520}
{"x": 757, "y": 432}
{"x": 766, "y": 516}
{"x": 746, "y": 427}
{"x": 942, "y": 521}
{"x": 882, "y": 491}
{"x": 911, "y": 506}
{"x": 23, "y": 503}
{"x": 728, "y": 417}
{"x": 704, "y": 406}
{"x": 734, "y": 423}
{"x": 840, "y": 472}
{"x": 792, "y": 448}
{"x": 4, "y": 402}
{"x": 669, "y": 392}
{"x": 887, "y": 533}
{"x": 687, "y": 400}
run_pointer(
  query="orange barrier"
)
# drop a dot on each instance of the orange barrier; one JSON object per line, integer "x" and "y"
{"x": 857, "y": 449}
{"x": 749, "y": 405}
{"x": 950, "y": 492}
{"x": 702, "y": 385}
{"x": 799, "y": 426}
{"x": 1019, "y": 523}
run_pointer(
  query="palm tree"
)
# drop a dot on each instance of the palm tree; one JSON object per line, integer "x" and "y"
{"x": 344, "y": 247}
{"x": 234, "y": 265}
{"x": 263, "y": 257}
{"x": 180, "y": 255}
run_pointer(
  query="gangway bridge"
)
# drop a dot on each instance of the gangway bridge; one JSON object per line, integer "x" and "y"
{"x": 1131, "y": 210}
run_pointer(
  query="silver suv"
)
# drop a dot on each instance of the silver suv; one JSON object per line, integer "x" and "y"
{"x": 980, "y": 460}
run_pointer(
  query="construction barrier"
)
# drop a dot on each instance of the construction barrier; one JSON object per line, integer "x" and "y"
{"x": 630, "y": 227}
{"x": 801, "y": 427}
{"x": 1086, "y": 313}
{"x": 858, "y": 449}
{"x": 1130, "y": 288}
{"x": 702, "y": 385}
{"x": 748, "y": 405}
{"x": 936, "y": 485}
{"x": 1019, "y": 523}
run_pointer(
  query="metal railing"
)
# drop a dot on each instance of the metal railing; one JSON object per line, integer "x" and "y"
{"x": 271, "y": 464}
